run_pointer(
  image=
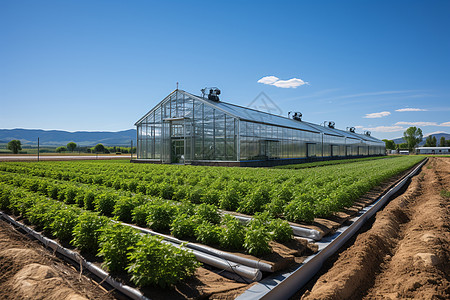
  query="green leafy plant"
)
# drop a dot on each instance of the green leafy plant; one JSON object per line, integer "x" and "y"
{"x": 114, "y": 241}
{"x": 63, "y": 223}
{"x": 155, "y": 263}
{"x": 256, "y": 241}
{"x": 183, "y": 226}
{"x": 208, "y": 233}
{"x": 87, "y": 231}
{"x": 161, "y": 215}
{"x": 208, "y": 212}
{"x": 280, "y": 230}
{"x": 233, "y": 233}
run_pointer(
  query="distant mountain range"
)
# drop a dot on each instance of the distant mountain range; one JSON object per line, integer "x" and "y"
{"x": 437, "y": 135}
{"x": 61, "y": 138}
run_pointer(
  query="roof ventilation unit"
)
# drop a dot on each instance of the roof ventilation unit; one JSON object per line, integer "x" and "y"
{"x": 330, "y": 124}
{"x": 351, "y": 129}
{"x": 213, "y": 93}
{"x": 368, "y": 133}
{"x": 296, "y": 115}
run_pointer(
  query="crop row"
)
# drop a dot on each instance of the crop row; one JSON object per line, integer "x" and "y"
{"x": 296, "y": 195}
{"x": 183, "y": 219}
{"x": 121, "y": 247}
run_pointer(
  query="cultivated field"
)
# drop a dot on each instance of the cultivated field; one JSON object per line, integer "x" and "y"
{"x": 79, "y": 203}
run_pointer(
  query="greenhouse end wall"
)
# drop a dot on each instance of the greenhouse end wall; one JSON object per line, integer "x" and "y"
{"x": 184, "y": 128}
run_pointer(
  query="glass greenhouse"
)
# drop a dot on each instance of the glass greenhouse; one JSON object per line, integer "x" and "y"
{"x": 184, "y": 128}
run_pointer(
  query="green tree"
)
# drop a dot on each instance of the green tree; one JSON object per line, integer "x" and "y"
{"x": 15, "y": 146}
{"x": 61, "y": 149}
{"x": 442, "y": 142}
{"x": 390, "y": 144}
{"x": 413, "y": 136}
{"x": 99, "y": 148}
{"x": 402, "y": 146}
{"x": 430, "y": 142}
{"x": 71, "y": 146}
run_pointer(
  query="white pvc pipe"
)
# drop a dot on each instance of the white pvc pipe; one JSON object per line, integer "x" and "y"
{"x": 297, "y": 230}
{"x": 124, "y": 289}
{"x": 213, "y": 258}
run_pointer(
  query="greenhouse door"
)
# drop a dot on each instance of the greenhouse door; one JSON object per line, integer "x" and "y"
{"x": 176, "y": 141}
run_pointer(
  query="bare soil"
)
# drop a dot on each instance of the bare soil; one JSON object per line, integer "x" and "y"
{"x": 405, "y": 254}
{"x": 29, "y": 271}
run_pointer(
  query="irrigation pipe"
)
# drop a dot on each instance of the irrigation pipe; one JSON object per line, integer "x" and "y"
{"x": 297, "y": 230}
{"x": 246, "y": 268}
{"x": 76, "y": 259}
{"x": 285, "y": 285}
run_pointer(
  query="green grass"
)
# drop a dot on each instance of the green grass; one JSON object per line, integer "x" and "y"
{"x": 329, "y": 163}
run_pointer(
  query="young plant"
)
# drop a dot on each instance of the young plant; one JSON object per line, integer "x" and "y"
{"x": 208, "y": 233}
{"x": 87, "y": 231}
{"x": 280, "y": 230}
{"x": 233, "y": 233}
{"x": 161, "y": 215}
{"x": 114, "y": 243}
{"x": 153, "y": 262}
{"x": 183, "y": 226}
{"x": 208, "y": 212}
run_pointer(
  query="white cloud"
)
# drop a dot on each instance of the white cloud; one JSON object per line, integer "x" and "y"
{"x": 286, "y": 84}
{"x": 417, "y": 123}
{"x": 268, "y": 80}
{"x": 446, "y": 124}
{"x": 386, "y": 128}
{"x": 359, "y": 127}
{"x": 410, "y": 109}
{"x": 377, "y": 115}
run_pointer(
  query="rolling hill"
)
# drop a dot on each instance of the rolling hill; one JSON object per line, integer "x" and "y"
{"x": 61, "y": 138}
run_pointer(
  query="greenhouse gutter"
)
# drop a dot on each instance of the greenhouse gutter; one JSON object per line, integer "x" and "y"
{"x": 285, "y": 285}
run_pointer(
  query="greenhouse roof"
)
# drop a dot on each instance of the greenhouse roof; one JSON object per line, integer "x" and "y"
{"x": 253, "y": 115}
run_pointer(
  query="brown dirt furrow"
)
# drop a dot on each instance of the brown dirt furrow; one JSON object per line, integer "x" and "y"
{"x": 28, "y": 271}
{"x": 405, "y": 254}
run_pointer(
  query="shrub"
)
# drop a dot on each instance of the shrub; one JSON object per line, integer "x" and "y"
{"x": 89, "y": 199}
{"x": 63, "y": 223}
{"x": 104, "y": 203}
{"x": 256, "y": 241}
{"x": 140, "y": 214}
{"x": 168, "y": 264}
{"x": 161, "y": 215}
{"x": 166, "y": 190}
{"x": 114, "y": 241}
{"x": 208, "y": 212}
{"x": 255, "y": 201}
{"x": 208, "y": 233}
{"x": 281, "y": 231}
{"x": 87, "y": 231}
{"x": 124, "y": 206}
{"x": 229, "y": 199}
{"x": 183, "y": 226}
{"x": 299, "y": 211}
{"x": 233, "y": 233}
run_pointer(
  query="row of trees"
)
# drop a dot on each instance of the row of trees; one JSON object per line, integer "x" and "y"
{"x": 413, "y": 136}
{"x": 15, "y": 146}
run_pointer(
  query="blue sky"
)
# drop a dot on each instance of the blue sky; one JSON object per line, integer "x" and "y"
{"x": 100, "y": 65}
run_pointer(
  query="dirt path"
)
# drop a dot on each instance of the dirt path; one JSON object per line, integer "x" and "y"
{"x": 28, "y": 271}
{"x": 405, "y": 254}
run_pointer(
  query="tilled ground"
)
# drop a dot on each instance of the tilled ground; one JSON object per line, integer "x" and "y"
{"x": 28, "y": 271}
{"x": 405, "y": 254}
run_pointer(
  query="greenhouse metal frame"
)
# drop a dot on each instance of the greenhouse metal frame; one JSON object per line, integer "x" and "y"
{"x": 189, "y": 129}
